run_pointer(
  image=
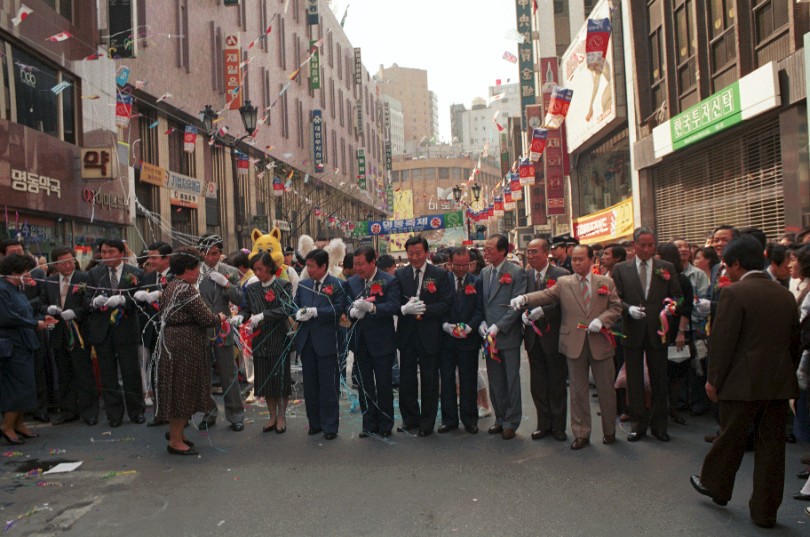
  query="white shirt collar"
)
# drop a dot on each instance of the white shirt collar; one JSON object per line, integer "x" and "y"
{"x": 372, "y": 277}
{"x": 638, "y": 263}
{"x": 66, "y": 278}
{"x": 588, "y": 277}
{"x": 499, "y": 267}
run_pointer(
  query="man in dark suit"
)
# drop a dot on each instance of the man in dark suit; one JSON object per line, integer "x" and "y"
{"x": 425, "y": 296}
{"x": 63, "y": 298}
{"x": 322, "y": 300}
{"x": 751, "y": 375}
{"x": 643, "y": 284}
{"x": 559, "y": 252}
{"x": 375, "y": 296}
{"x": 114, "y": 331}
{"x": 154, "y": 282}
{"x": 548, "y": 369}
{"x": 461, "y": 345}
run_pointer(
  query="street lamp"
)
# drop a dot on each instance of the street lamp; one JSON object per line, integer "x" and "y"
{"x": 476, "y": 190}
{"x": 457, "y": 193}
{"x": 249, "y": 116}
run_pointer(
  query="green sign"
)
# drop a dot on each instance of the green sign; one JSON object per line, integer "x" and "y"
{"x": 710, "y": 116}
{"x": 389, "y": 196}
{"x": 315, "y": 67}
{"x": 361, "y": 169}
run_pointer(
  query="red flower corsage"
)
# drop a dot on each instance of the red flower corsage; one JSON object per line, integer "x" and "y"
{"x": 269, "y": 295}
{"x": 327, "y": 290}
{"x": 469, "y": 289}
{"x": 603, "y": 291}
{"x": 550, "y": 282}
{"x": 163, "y": 281}
{"x": 723, "y": 281}
{"x": 430, "y": 286}
{"x": 376, "y": 289}
{"x": 506, "y": 279}
{"x": 663, "y": 273}
{"x": 131, "y": 279}
{"x": 279, "y": 272}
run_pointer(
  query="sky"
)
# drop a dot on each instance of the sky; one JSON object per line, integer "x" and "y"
{"x": 460, "y": 43}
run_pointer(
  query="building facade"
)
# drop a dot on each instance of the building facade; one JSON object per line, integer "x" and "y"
{"x": 419, "y": 105}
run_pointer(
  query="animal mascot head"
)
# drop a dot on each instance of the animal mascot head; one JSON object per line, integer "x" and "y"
{"x": 271, "y": 244}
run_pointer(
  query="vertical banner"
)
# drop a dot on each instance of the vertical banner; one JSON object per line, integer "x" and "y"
{"x": 123, "y": 110}
{"x": 358, "y": 107}
{"x": 554, "y": 158}
{"x": 242, "y": 165}
{"x": 523, "y": 12}
{"x": 312, "y": 12}
{"x": 358, "y": 68}
{"x": 361, "y": 169}
{"x": 190, "y": 139}
{"x": 388, "y": 156}
{"x": 315, "y": 67}
{"x": 233, "y": 73}
{"x": 317, "y": 140}
{"x": 122, "y": 45}
{"x": 504, "y": 151}
{"x": 389, "y": 197}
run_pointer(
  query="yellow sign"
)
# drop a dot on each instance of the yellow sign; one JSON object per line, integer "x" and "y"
{"x": 403, "y": 210}
{"x": 154, "y": 175}
{"x": 612, "y": 223}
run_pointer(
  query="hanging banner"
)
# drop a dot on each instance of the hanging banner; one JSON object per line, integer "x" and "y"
{"x": 123, "y": 110}
{"x": 526, "y": 173}
{"x": 528, "y": 93}
{"x": 317, "y": 139}
{"x": 358, "y": 67}
{"x": 358, "y": 106}
{"x": 410, "y": 225}
{"x": 516, "y": 187}
{"x": 190, "y": 139}
{"x": 389, "y": 162}
{"x": 278, "y": 186}
{"x": 312, "y": 12}
{"x": 233, "y": 72}
{"x": 315, "y": 65}
{"x": 558, "y": 107}
{"x": 242, "y": 165}
{"x": 613, "y": 223}
{"x": 539, "y": 139}
{"x": 361, "y": 169}
{"x": 389, "y": 198}
{"x": 596, "y": 44}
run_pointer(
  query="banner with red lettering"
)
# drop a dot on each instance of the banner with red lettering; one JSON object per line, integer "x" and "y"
{"x": 558, "y": 107}
{"x": 190, "y": 139}
{"x": 596, "y": 44}
{"x": 539, "y": 138}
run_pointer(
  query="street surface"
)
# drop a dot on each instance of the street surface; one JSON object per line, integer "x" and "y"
{"x": 252, "y": 484}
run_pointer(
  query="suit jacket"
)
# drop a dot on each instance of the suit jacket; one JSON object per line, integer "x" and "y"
{"x": 148, "y": 316}
{"x": 323, "y": 330}
{"x": 466, "y": 309}
{"x": 73, "y": 301}
{"x": 127, "y": 331}
{"x": 549, "y": 324}
{"x": 631, "y": 293}
{"x": 375, "y": 329}
{"x": 34, "y": 292}
{"x": 17, "y": 321}
{"x": 219, "y": 299}
{"x": 437, "y": 306}
{"x": 495, "y": 303}
{"x": 755, "y": 342}
{"x": 605, "y": 307}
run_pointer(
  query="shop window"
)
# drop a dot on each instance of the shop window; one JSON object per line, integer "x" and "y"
{"x": 655, "y": 46}
{"x": 444, "y": 173}
{"x": 63, "y": 7}
{"x": 772, "y": 27}
{"x": 604, "y": 174}
{"x": 685, "y": 47}
{"x": 179, "y": 160}
{"x": 149, "y": 139}
{"x": 723, "y": 48}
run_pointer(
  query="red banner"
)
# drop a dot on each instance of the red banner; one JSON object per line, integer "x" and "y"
{"x": 233, "y": 72}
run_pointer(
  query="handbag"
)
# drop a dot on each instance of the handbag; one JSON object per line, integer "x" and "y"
{"x": 678, "y": 356}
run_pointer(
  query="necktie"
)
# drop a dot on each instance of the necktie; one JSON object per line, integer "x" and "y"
{"x": 459, "y": 287}
{"x": 538, "y": 280}
{"x": 63, "y": 290}
{"x": 642, "y": 273}
{"x": 586, "y": 295}
{"x": 317, "y": 287}
{"x": 367, "y": 290}
{"x": 113, "y": 278}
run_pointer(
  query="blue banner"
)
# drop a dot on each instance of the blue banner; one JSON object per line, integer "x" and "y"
{"x": 430, "y": 222}
{"x": 317, "y": 140}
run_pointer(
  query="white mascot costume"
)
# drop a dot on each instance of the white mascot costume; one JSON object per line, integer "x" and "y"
{"x": 336, "y": 250}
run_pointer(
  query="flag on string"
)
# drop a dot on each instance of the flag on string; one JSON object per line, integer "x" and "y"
{"x": 22, "y": 14}
{"x": 190, "y": 139}
{"x": 58, "y": 38}
{"x": 345, "y": 13}
{"x": 508, "y": 56}
{"x": 59, "y": 88}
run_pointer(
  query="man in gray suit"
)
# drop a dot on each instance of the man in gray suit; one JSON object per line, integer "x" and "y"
{"x": 219, "y": 287}
{"x": 502, "y": 281}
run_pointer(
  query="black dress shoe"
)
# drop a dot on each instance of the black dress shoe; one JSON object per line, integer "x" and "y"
{"x": 424, "y": 432}
{"x": 365, "y": 434}
{"x": 635, "y": 437}
{"x": 472, "y": 429}
{"x": 508, "y": 434}
{"x": 804, "y": 475}
{"x": 559, "y": 436}
{"x": 206, "y": 423}
{"x": 330, "y": 436}
{"x": 139, "y": 419}
{"x": 154, "y": 422}
{"x": 609, "y": 439}
{"x": 663, "y": 437}
{"x": 802, "y": 497}
{"x": 91, "y": 421}
{"x": 677, "y": 419}
{"x": 407, "y": 428}
{"x": 12, "y": 441}
{"x": 313, "y": 432}
{"x": 187, "y": 442}
{"x": 790, "y": 438}
{"x": 579, "y": 443}
{"x": 385, "y": 434}
{"x": 764, "y": 523}
{"x": 237, "y": 426}
{"x": 695, "y": 480}
{"x": 447, "y": 428}
{"x": 189, "y": 451}
{"x": 115, "y": 423}
{"x": 540, "y": 434}
{"x": 495, "y": 429}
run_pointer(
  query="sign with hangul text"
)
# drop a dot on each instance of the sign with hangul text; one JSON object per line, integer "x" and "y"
{"x": 317, "y": 139}
{"x": 361, "y": 169}
{"x": 359, "y": 111}
{"x": 312, "y": 12}
{"x": 358, "y": 67}
{"x": 233, "y": 72}
{"x": 96, "y": 163}
{"x": 315, "y": 67}
{"x": 528, "y": 93}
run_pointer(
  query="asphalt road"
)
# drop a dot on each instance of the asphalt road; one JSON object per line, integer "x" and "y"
{"x": 249, "y": 483}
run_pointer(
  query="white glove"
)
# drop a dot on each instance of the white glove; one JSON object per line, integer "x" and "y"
{"x": 356, "y": 313}
{"x": 525, "y": 318}
{"x": 219, "y": 279}
{"x": 636, "y": 313}
{"x": 54, "y": 310}
{"x": 154, "y": 296}
{"x": 801, "y": 377}
{"x": 518, "y": 302}
{"x": 703, "y": 307}
{"x": 447, "y": 327}
{"x": 467, "y": 329}
{"x": 116, "y": 301}
{"x": 413, "y": 308}
{"x": 305, "y": 314}
{"x": 493, "y": 330}
{"x": 536, "y": 313}
{"x": 363, "y": 305}
{"x": 100, "y": 301}
{"x": 68, "y": 315}
{"x": 236, "y": 320}
{"x": 256, "y": 319}
{"x": 141, "y": 296}
{"x": 595, "y": 326}
{"x": 482, "y": 329}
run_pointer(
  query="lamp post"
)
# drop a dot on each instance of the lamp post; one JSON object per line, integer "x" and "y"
{"x": 249, "y": 116}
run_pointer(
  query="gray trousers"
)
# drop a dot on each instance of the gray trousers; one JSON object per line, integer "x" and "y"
{"x": 504, "y": 388}
{"x": 225, "y": 362}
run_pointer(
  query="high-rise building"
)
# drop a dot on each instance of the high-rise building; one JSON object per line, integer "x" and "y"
{"x": 419, "y": 105}
{"x": 397, "y": 125}
{"x": 476, "y": 130}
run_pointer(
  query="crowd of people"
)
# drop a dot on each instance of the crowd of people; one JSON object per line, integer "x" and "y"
{"x": 662, "y": 328}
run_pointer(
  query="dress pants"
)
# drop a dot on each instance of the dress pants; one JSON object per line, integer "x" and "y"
{"x": 548, "y": 372}
{"x": 111, "y": 358}
{"x": 657, "y": 417}
{"x": 321, "y": 388}
{"x": 412, "y": 357}
{"x": 604, "y": 373}
{"x": 375, "y": 391}
{"x": 77, "y": 383}
{"x": 723, "y": 460}
{"x": 225, "y": 363}
{"x": 43, "y": 373}
{"x": 467, "y": 364}
{"x": 504, "y": 388}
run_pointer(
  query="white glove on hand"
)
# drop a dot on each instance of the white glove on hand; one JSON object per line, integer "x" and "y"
{"x": 154, "y": 296}
{"x": 256, "y": 319}
{"x": 100, "y": 301}
{"x": 447, "y": 327}
{"x": 356, "y": 313}
{"x": 636, "y": 313}
{"x": 236, "y": 320}
{"x": 703, "y": 307}
{"x": 595, "y": 326}
{"x": 518, "y": 302}
{"x": 116, "y": 301}
{"x": 141, "y": 296}
{"x": 525, "y": 318}
{"x": 219, "y": 279}
{"x": 413, "y": 308}
{"x": 68, "y": 315}
{"x": 363, "y": 305}
{"x": 54, "y": 310}
{"x": 467, "y": 329}
{"x": 536, "y": 313}
{"x": 482, "y": 329}
{"x": 493, "y": 330}
{"x": 305, "y": 314}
